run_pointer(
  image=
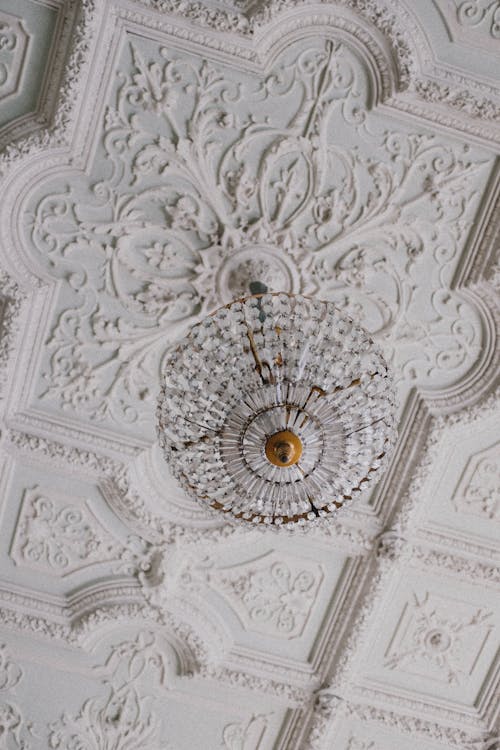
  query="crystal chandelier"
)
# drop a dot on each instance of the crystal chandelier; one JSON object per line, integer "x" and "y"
{"x": 276, "y": 410}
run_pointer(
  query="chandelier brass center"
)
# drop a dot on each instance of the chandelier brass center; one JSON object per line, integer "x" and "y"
{"x": 283, "y": 448}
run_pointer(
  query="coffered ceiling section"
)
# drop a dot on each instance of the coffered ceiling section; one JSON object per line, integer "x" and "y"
{"x": 158, "y": 156}
{"x": 28, "y": 52}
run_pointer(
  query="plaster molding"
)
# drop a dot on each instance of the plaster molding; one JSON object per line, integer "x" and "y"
{"x": 404, "y": 237}
{"x": 14, "y": 41}
{"x": 247, "y": 734}
{"x": 480, "y": 13}
{"x": 69, "y": 621}
{"x": 58, "y": 536}
{"x": 10, "y": 672}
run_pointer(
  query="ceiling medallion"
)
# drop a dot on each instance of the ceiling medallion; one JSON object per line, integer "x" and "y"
{"x": 277, "y": 409}
{"x": 275, "y": 268}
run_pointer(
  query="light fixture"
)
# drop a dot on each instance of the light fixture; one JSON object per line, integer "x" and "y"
{"x": 277, "y": 409}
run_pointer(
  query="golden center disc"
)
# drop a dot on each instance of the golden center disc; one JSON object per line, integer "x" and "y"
{"x": 283, "y": 449}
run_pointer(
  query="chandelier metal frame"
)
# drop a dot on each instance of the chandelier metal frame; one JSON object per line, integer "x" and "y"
{"x": 276, "y": 410}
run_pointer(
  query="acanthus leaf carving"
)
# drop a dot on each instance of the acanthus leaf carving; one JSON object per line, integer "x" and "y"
{"x": 263, "y": 193}
{"x": 121, "y": 718}
{"x": 94, "y": 320}
{"x": 271, "y": 595}
{"x": 124, "y": 715}
{"x": 58, "y": 535}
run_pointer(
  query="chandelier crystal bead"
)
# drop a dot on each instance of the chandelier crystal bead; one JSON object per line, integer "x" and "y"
{"x": 276, "y": 410}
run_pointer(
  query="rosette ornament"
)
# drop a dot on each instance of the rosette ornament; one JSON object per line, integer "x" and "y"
{"x": 276, "y": 409}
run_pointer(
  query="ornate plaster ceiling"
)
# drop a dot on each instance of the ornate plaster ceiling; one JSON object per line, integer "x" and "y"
{"x": 157, "y": 154}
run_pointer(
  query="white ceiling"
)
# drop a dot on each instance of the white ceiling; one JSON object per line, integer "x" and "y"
{"x": 158, "y": 154}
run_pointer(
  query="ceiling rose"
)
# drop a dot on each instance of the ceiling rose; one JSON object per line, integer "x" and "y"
{"x": 276, "y": 409}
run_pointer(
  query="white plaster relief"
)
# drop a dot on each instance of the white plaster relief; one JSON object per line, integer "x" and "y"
{"x": 132, "y": 699}
{"x": 336, "y": 722}
{"x": 59, "y": 535}
{"x": 10, "y": 672}
{"x": 256, "y": 198}
{"x": 14, "y": 40}
{"x": 407, "y": 726}
{"x": 122, "y": 716}
{"x": 439, "y": 639}
{"x": 245, "y": 735}
{"x": 273, "y": 595}
{"x": 382, "y": 270}
{"x": 16, "y": 732}
{"x": 478, "y": 491}
{"x": 484, "y": 14}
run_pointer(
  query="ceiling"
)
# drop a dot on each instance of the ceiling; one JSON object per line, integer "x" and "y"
{"x": 156, "y": 156}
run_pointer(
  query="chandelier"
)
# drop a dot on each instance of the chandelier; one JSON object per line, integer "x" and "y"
{"x": 276, "y": 410}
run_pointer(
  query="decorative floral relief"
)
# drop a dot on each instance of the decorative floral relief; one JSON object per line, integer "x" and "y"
{"x": 59, "y": 536}
{"x": 206, "y": 180}
{"x": 15, "y": 732}
{"x": 142, "y": 657}
{"x": 271, "y": 595}
{"x": 479, "y": 489}
{"x": 123, "y": 717}
{"x": 10, "y": 672}
{"x": 13, "y": 46}
{"x": 480, "y": 13}
{"x": 233, "y": 279}
{"x": 246, "y": 735}
{"x": 439, "y": 639}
